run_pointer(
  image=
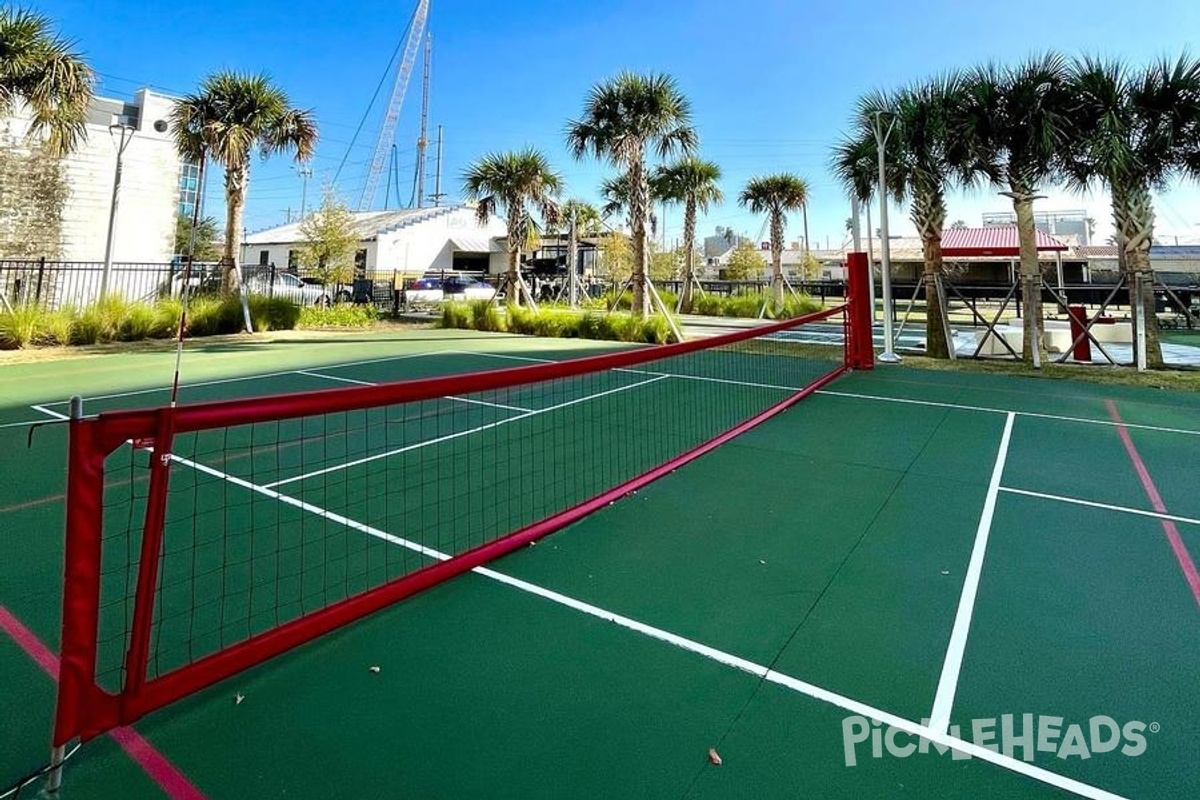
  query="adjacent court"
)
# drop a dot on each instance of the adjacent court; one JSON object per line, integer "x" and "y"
{"x": 901, "y": 564}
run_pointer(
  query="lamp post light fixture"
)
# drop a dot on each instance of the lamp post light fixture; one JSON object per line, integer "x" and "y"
{"x": 125, "y": 133}
{"x": 888, "y": 355}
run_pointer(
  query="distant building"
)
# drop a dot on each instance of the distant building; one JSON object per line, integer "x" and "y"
{"x": 1055, "y": 223}
{"x": 409, "y": 241}
{"x": 150, "y": 182}
{"x": 721, "y": 242}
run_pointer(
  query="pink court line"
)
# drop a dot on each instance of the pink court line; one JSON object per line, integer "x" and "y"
{"x": 153, "y": 763}
{"x": 1181, "y": 552}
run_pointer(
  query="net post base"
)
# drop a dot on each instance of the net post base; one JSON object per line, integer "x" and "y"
{"x": 54, "y": 777}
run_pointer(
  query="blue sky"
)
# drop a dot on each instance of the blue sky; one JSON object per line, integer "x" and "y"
{"x": 771, "y": 82}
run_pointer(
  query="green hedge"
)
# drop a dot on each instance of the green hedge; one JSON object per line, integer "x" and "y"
{"x": 748, "y": 305}
{"x": 342, "y": 315}
{"x": 115, "y": 319}
{"x": 482, "y": 315}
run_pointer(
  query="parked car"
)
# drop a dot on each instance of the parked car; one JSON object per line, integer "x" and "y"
{"x": 285, "y": 284}
{"x": 467, "y": 288}
{"x": 423, "y": 292}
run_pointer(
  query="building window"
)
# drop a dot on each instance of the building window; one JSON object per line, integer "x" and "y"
{"x": 264, "y": 257}
{"x": 292, "y": 263}
{"x": 189, "y": 188}
{"x": 360, "y": 261}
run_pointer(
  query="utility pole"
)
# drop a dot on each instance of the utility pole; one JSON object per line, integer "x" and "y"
{"x": 305, "y": 173}
{"x": 437, "y": 178}
{"x": 126, "y": 134}
{"x": 881, "y": 136}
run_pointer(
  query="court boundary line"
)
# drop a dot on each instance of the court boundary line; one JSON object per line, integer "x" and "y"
{"x": 941, "y": 738}
{"x": 254, "y": 377}
{"x": 172, "y": 780}
{"x": 1094, "y": 504}
{"x": 991, "y": 410}
{"x": 457, "y": 434}
{"x": 355, "y": 381}
{"x": 943, "y": 702}
{"x": 1182, "y": 556}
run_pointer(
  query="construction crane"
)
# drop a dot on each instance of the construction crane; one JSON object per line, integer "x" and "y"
{"x": 387, "y": 132}
{"x": 422, "y": 139}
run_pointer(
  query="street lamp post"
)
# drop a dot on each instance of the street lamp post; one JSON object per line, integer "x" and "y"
{"x": 126, "y": 136}
{"x": 881, "y": 136}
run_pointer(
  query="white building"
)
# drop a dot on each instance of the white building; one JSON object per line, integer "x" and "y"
{"x": 149, "y": 198}
{"x": 409, "y": 241}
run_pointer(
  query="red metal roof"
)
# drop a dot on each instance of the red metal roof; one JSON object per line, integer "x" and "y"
{"x": 991, "y": 240}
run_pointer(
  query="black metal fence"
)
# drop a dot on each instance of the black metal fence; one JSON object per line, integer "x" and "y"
{"x": 58, "y": 284}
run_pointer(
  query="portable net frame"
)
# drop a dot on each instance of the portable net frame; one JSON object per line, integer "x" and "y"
{"x": 204, "y": 539}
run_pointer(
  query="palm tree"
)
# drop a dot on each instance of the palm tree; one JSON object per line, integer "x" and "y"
{"x": 693, "y": 182}
{"x": 1142, "y": 130}
{"x": 232, "y": 115}
{"x": 921, "y": 165}
{"x": 581, "y": 219}
{"x": 42, "y": 72}
{"x": 622, "y": 119}
{"x": 1011, "y": 126}
{"x": 775, "y": 195}
{"x": 516, "y": 183}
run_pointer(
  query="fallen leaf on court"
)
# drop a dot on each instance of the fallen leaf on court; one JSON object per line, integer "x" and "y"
{"x": 238, "y": 698}
{"x": 945, "y": 572}
{"x": 761, "y": 561}
{"x": 714, "y": 757}
{"x": 374, "y": 669}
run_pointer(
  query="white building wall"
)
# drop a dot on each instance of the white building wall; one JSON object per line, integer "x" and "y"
{"x": 427, "y": 246}
{"x": 149, "y": 194}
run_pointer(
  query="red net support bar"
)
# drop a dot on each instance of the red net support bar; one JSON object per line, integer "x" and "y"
{"x": 204, "y": 539}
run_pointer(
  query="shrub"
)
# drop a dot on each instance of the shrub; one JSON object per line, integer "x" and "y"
{"x": 749, "y": 305}
{"x": 54, "y": 328}
{"x": 486, "y": 317}
{"x": 342, "y": 315}
{"x": 19, "y": 327}
{"x": 204, "y": 316}
{"x": 266, "y": 313}
{"x": 139, "y": 321}
{"x": 456, "y": 315}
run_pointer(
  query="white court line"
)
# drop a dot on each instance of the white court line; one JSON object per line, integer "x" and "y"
{"x": 633, "y": 371}
{"x": 313, "y": 374}
{"x": 939, "y": 718}
{"x": 938, "y": 737}
{"x": 255, "y": 377}
{"x": 1106, "y": 506}
{"x": 990, "y": 410}
{"x": 458, "y": 434}
{"x": 25, "y": 424}
{"x": 48, "y": 412}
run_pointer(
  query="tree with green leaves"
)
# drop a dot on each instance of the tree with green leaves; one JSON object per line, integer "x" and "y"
{"x": 744, "y": 262}
{"x": 616, "y": 257}
{"x": 206, "y": 237}
{"x": 329, "y": 240}
{"x": 42, "y": 72}
{"x": 519, "y": 184}
{"x": 775, "y": 195}
{"x": 692, "y": 182}
{"x": 1012, "y": 125}
{"x": 1143, "y": 126}
{"x": 232, "y": 115}
{"x": 623, "y": 119}
{"x": 923, "y": 162}
{"x": 580, "y": 219}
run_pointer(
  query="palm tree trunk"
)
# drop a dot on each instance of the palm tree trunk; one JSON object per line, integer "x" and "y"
{"x": 777, "y": 260}
{"x": 236, "y": 179}
{"x": 516, "y": 238}
{"x": 689, "y": 256}
{"x": 639, "y": 211}
{"x": 1031, "y": 276}
{"x": 1133, "y": 212}
{"x": 929, "y": 216}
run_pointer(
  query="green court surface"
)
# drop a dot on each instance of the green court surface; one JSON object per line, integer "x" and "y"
{"x": 904, "y": 560}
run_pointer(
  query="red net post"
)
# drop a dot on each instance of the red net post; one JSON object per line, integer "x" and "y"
{"x": 1083, "y": 347}
{"x": 860, "y": 347}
